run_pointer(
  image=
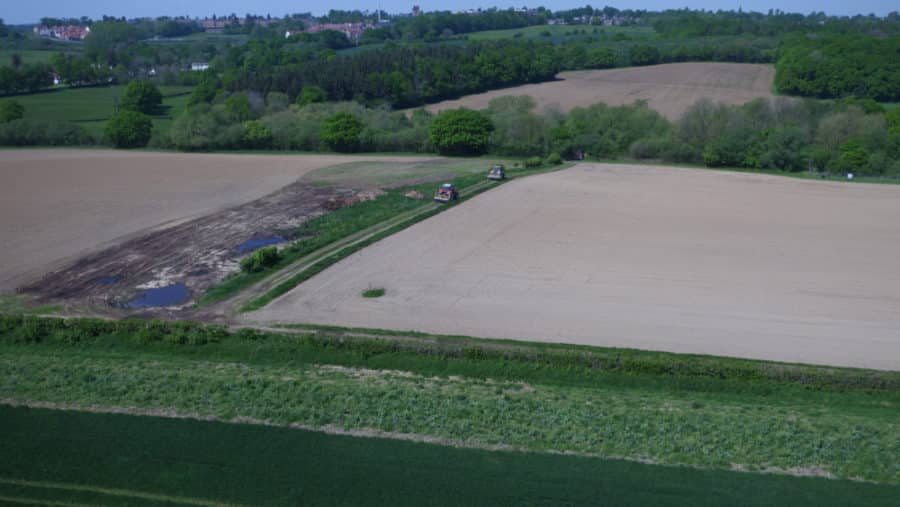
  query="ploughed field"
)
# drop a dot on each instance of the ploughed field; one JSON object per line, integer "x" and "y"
{"x": 669, "y": 88}
{"x": 654, "y": 258}
{"x": 59, "y": 205}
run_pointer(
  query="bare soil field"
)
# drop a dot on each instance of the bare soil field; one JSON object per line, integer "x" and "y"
{"x": 669, "y": 89}
{"x": 59, "y": 205}
{"x": 658, "y": 258}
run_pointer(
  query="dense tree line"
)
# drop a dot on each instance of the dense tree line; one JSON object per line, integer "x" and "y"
{"x": 25, "y": 78}
{"x": 780, "y": 134}
{"x": 401, "y": 76}
{"x": 832, "y": 66}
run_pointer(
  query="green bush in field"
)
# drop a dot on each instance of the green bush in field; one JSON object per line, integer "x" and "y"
{"x": 461, "y": 132}
{"x": 129, "y": 129}
{"x": 533, "y": 162}
{"x": 341, "y": 132}
{"x": 256, "y": 135}
{"x": 142, "y": 97}
{"x": 554, "y": 159}
{"x": 261, "y": 259}
{"x": 10, "y": 110}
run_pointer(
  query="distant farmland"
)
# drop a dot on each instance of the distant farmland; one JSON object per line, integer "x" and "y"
{"x": 91, "y": 107}
{"x": 669, "y": 89}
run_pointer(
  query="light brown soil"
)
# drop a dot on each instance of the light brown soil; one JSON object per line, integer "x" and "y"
{"x": 57, "y": 205}
{"x": 669, "y": 89}
{"x": 656, "y": 258}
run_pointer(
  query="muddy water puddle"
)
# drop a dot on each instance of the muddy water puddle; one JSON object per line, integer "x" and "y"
{"x": 253, "y": 244}
{"x": 170, "y": 295}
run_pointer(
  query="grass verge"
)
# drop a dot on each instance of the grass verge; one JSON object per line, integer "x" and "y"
{"x": 55, "y": 456}
{"x": 705, "y": 411}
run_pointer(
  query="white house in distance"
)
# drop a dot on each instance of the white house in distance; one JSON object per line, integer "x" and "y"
{"x": 199, "y": 66}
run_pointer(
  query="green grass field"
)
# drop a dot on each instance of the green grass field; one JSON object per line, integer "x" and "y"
{"x": 28, "y": 56}
{"x": 92, "y": 107}
{"x": 98, "y": 459}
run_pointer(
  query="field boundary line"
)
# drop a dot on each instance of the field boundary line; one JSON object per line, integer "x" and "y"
{"x": 113, "y": 492}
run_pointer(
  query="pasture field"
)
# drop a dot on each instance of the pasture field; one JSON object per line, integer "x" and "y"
{"x": 707, "y": 412}
{"x": 655, "y": 258}
{"x": 29, "y": 56}
{"x": 60, "y": 204}
{"x": 669, "y": 88}
{"x": 91, "y": 107}
{"x": 75, "y": 456}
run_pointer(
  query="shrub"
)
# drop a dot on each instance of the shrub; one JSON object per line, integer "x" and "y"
{"x": 646, "y": 148}
{"x": 238, "y": 108}
{"x": 341, "y": 131}
{"x": 461, "y": 132}
{"x": 43, "y": 133}
{"x": 10, "y": 110}
{"x": 142, "y": 97}
{"x": 256, "y": 135}
{"x": 311, "y": 94}
{"x": 261, "y": 259}
{"x": 373, "y": 293}
{"x": 533, "y": 162}
{"x": 554, "y": 159}
{"x": 129, "y": 129}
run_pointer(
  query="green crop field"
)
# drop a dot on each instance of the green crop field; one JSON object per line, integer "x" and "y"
{"x": 708, "y": 412}
{"x": 102, "y": 459}
{"x": 92, "y": 107}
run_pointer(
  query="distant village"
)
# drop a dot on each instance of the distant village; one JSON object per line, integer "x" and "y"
{"x": 352, "y": 30}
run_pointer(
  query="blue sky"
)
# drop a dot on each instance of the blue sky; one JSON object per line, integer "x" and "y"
{"x": 27, "y": 12}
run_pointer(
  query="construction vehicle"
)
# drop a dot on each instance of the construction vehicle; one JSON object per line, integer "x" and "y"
{"x": 446, "y": 193}
{"x": 497, "y": 173}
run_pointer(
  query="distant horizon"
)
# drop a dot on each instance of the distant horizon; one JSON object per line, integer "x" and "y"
{"x": 25, "y": 14}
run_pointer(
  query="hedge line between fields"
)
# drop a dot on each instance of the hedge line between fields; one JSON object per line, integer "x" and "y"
{"x": 478, "y": 356}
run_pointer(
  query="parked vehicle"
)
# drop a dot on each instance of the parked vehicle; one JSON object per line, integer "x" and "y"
{"x": 446, "y": 193}
{"x": 497, "y": 173}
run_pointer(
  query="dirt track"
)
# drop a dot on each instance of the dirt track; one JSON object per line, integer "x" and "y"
{"x": 60, "y": 204}
{"x": 647, "y": 257}
{"x": 669, "y": 89}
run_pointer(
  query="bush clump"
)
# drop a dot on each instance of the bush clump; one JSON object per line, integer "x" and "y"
{"x": 533, "y": 162}
{"x": 262, "y": 259}
{"x": 129, "y": 129}
{"x": 554, "y": 159}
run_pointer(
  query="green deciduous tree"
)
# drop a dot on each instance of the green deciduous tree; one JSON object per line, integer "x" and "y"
{"x": 256, "y": 135}
{"x": 238, "y": 107}
{"x": 129, "y": 129}
{"x": 341, "y": 132}
{"x": 310, "y": 95}
{"x": 461, "y": 132}
{"x": 141, "y": 96}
